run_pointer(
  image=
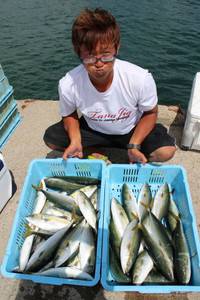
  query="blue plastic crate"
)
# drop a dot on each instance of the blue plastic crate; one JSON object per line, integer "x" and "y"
{"x": 4, "y": 87}
{"x": 6, "y": 106}
{"x": 1, "y": 72}
{"x": 10, "y": 122}
{"x": 135, "y": 176}
{"x": 4, "y": 97}
{"x": 37, "y": 170}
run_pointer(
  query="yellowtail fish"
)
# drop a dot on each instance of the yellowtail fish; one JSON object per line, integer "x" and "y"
{"x": 173, "y": 215}
{"x": 129, "y": 202}
{"x": 47, "y": 222}
{"x": 69, "y": 245}
{"x": 87, "y": 249}
{"x": 182, "y": 256}
{"x": 115, "y": 238}
{"x": 144, "y": 201}
{"x": 158, "y": 245}
{"x": 80, "y": 180}
{"x": 115, "y": 268}
{"x": 40, "y": 199}
{"x": 161, "y": 202}
{"x": 61, "y": 184}
{"x": 88, "y": 211}
{"x": 130, "y": 245}
{"x": 87, "y": 190}
{"x": 25, "y": 252}
{"x": 45, "y": 252}
{"x": 66, "y": 272}
{"x": 60, "y": 199}
{"x": 119, "y": 217}
{"x": 142, "y": 267}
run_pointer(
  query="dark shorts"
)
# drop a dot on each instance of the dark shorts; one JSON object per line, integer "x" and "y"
{"x": 157, "y": 138}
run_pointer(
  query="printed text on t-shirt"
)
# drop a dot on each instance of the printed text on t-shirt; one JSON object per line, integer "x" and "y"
{"x": 120, "y": 115}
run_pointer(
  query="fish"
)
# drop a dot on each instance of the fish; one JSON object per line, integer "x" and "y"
{"x": 115, "y": 238}
{"x": 32, "y": 229}
{"x": 61, "y": 184}
{"x": 49, "y": 265}
{"x": 158, "y": 245}
{"x": 161, "y": 202}
{"x": 88, "y": 211}
{"x": 87, "y": 250}
{"x": 44, "y": 253}
{"x": 115, "y": 268}
{"x": 83, "y": 180}
{"x": 130, "y": 244}
{"x": 156, "y": 278}
{"x": 142, "y": 267}
{"x": 62, "y": 213}
{"x": 173, "y": 215}
{"x": 87, "y": 190}
{"x": 25, "y": 252}
{"x": 61, "y": 200}
{"x": 144, "y": 201}
{"x": 37, "y": 242}
{"x": 94, "y": 199}
{"x": 129, "y": 202}
{"x": 66, "y": 272}
{"x": 47, "y": 222}
{"x": 74, "y": 261}
{"x": 48, "y": 204}
{"x": 58, "y": 212}
{"x": 119, "y": 217}
{"x": 69, "y": 245}
{"x": 40, "y": 199}
{"x": 181, "y": 255}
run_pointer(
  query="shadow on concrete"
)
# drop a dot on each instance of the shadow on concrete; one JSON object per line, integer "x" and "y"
{"x": 54, "y": 154}
{"x": 176, "y": 127}
{"x": 115, "y": 155}
{"x": 170, "y": 296}
{"x": 34, "y": 291}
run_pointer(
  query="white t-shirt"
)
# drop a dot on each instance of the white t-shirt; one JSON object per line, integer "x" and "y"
{"x": 115, "y": 111}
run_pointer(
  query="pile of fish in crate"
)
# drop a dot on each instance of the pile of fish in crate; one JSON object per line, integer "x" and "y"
{"x": 148, "y": 244}
{"x": 131, "y": 226}
{"x": 62, "y": 229}
{"x": 150, "y": 241}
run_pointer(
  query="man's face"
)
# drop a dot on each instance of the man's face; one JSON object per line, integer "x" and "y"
{"x": 99, "y": 71}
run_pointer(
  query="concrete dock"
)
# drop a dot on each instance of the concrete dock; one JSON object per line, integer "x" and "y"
{"x": 26, "y": 144}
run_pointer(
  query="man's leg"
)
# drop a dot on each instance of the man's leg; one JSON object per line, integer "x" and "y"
{"x": 162, "y": 154}
{"x": 56, "y": 137}
{"x": 159, "y": 146}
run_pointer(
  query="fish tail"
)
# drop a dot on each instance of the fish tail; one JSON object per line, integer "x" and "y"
{"x": 29, "y": 231}
{"x": 177, "y": 218}
{"x": 37, "y": 188}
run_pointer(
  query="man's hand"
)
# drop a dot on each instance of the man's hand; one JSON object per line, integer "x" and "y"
{"x": 136, "y": 156}
{"x": 73, "y": 150}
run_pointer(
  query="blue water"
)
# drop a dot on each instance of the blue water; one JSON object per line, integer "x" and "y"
{"x": 160, "y": 35}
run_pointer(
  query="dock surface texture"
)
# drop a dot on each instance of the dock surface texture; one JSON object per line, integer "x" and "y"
{"x": 26, "y": 144}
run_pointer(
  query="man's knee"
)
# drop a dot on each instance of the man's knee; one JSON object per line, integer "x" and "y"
{"x": 162, "y": 154}
{"x": 51, "y": 145}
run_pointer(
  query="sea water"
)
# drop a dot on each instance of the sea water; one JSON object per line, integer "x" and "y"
{"x": 160, "y": 35}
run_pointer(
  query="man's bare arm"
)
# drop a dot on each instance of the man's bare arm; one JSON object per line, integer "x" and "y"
{"x": 72, "y": 127}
